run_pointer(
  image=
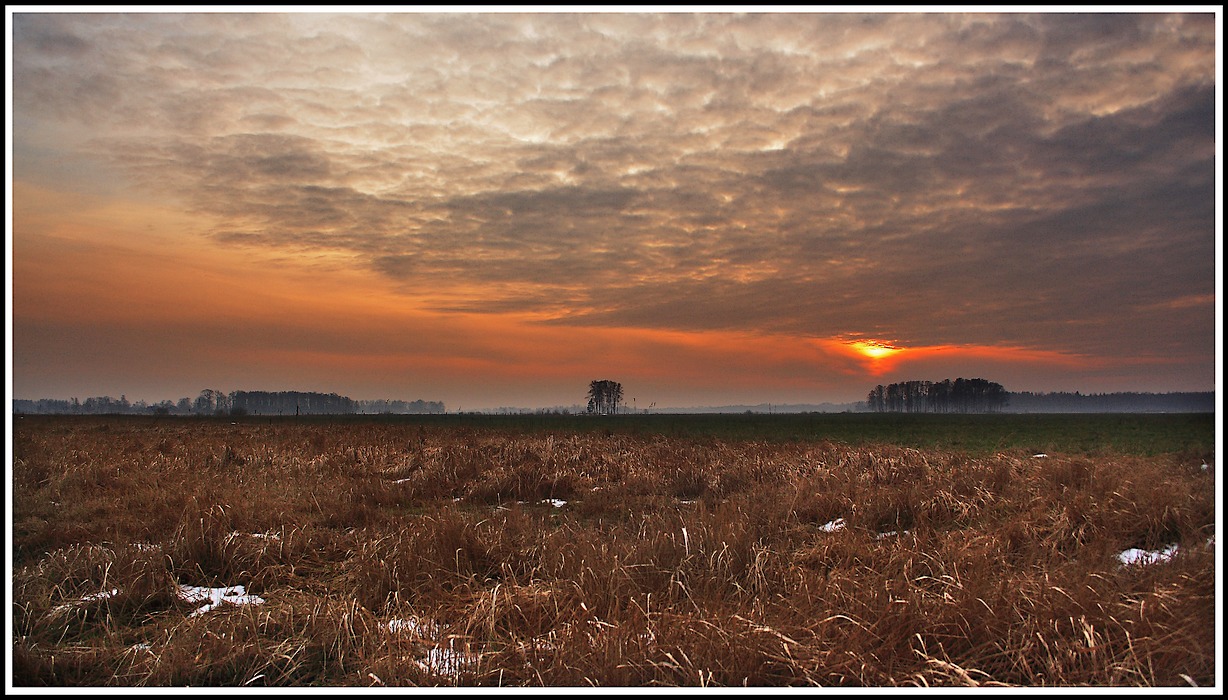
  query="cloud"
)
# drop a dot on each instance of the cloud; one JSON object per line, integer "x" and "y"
{"x": 945, "y": 178}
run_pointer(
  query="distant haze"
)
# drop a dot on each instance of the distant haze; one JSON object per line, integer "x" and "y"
{"x": 494, "y": 209}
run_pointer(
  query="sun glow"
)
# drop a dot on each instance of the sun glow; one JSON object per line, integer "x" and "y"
{"x": 874, "y": 349}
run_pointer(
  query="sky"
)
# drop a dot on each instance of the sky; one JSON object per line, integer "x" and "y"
{"x": 491, "y": 208}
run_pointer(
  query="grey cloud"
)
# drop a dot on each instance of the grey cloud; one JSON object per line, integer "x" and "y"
{"x": 1068, "y": 34}
{"x": 42, "y": 34}
{"x": 264, "y": 157}
{"x": 76, "y": 98}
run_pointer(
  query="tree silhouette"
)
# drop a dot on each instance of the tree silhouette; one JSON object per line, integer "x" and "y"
{"x": 604, "y": 396}
{"x": 959, "y": 396}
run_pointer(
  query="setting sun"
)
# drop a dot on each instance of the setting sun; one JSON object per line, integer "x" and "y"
{"x": 874, "y": 350}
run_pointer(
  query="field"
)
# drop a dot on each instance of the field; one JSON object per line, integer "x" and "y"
{"x": 820, "y": 550}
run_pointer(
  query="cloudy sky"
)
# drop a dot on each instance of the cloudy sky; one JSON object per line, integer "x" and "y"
{"x": 492, "y": 209}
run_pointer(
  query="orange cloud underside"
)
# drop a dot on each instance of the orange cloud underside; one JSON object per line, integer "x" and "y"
{"x": 116, "y": 267}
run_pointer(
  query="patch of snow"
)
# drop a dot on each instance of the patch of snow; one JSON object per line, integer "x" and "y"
{"x": 100, "y": 595}
{"x": 268, "y": 536}
{"x": 833, "y": 526}
{"x": 396, "y": 626}
{"x": 557, "y": 503}
{"x": 416, "y": 627}
{"x": 1205, "y": 467}
{"x": 440, "y": 660}
{"x": 88, "y": 598}
{"x": 256, "y": 535}
{"x": 893, "y": 533}
{"x": 1041, "y": 455}
{"x": 401, "y": 481}
{"x": 1143, "y": 557}
{"x": 448, "y": 661}
{"x": 216, "y": 597}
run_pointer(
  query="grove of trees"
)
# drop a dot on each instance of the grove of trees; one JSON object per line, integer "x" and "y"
{"x": 947, "y": 396}
{"x": 604, "y": 396}
{"x": 290, "y": 403}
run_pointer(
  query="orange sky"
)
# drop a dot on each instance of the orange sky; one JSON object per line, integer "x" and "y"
{"x": 495, "y": 209}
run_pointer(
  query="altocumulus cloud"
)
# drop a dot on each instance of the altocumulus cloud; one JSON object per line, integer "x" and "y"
{"x": 1033, "y": 180}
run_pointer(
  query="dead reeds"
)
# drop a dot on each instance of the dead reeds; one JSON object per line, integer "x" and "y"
{"x": 399, "y": 555}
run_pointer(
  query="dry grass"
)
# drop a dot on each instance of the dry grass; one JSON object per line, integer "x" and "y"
{"x": 402, "y": 555}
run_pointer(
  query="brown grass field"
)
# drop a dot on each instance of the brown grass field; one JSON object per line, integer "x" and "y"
{"x": 432, "y": 554}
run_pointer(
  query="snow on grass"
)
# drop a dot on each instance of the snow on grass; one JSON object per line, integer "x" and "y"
{"x": 211, "y": 597}
{"x": 1144, "y": 557}
{"x": 448, "y": 661}
{"x": 1134, "y": 555}
{"x": 443, "y": 659}
{"x": 216, "y": 597}
{"x": 414, "y": 626}
{"x": 893, "y": 533}
{"x": 100, "y": 595}
{"x": 87, "y": 599}
{"x": 833, "y": 526}
{"x": 839, "y": 524}
{"x": 556, "y": 502}
{"x": 255, "y": 535}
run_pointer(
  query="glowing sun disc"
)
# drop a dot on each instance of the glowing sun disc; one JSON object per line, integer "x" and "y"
{"x": 874, "y": 351}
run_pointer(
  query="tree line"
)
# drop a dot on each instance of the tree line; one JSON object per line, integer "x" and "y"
{"x": 1117, "y": 402}
{"x": 947, "y": 396}
{"x": 215, "y": 402}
